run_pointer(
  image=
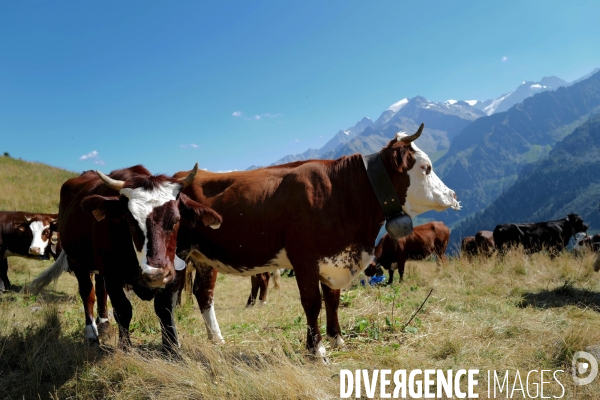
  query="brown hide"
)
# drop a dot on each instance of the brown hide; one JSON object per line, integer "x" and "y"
{"x": 485, "y": 242}
{"x": 468, "y": 246}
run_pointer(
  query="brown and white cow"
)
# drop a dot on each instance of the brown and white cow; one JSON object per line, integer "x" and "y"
{"x": 424, "y": 241}
{"x": 25, "y": 234}
{"x": 319, "y": 217}
{"x": 585, "y": 241}
{"x": 124, "y": 228}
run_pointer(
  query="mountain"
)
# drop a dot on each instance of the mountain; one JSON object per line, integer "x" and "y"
{"x": 523, "y": 91}
{"x": 565, "y": 181}
{"x": 443, "y": 120}
{"x": 486, "y": 157}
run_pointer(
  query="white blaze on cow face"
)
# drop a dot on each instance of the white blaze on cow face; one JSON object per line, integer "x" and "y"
{"x": 38, "y": 245}
{"x": 141, "y": 203}
{"x": 426, "y": 191}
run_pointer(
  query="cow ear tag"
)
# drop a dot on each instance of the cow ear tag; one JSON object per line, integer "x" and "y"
{"x": 399, "y": 226}
{"x": 99, "y": 214}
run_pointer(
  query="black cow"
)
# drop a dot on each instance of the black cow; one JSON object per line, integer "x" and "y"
{"x": 552, "y": 235}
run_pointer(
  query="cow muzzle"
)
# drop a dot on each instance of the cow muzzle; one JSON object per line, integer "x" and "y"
{"x": 157, "y": 277}
{"x": 36, "y": 251}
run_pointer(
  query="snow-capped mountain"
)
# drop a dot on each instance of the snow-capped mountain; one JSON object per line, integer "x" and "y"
{"x": 523, "y": 91}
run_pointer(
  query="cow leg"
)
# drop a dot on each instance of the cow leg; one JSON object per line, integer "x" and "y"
{"x": 101, "y": 304}
{"x": 204, "y": 286}
{"x": 263, "y": 285}
{"x": 401, "y": 264}
{"x": 310, "y": 297}
{"x": 253, "y": 291}
{"x": 164, "y": 302}
{"x": 88, "y": 297}
{"x": 391, "y": 278}
{"x": 122, "y": 311}
{"x": 4, "y": 282}
{"x": 332, "y": 304}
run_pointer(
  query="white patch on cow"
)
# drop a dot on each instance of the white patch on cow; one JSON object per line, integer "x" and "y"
{"x": 179, "y": 264}
{"x": 280, "y": 261}
{"x": 212, "y": 326}
{"x": 91, "y": 331}
{"x": 338, "y": 271}
{"x": 37, "y": 228}
{"x": 102, "y": 320}
{"x": 426, "y": 191}
{"x": 320, "y": 350}
{"x": 141, "y": 203}
{"x": 394, "y": 266}
{"x": 336, "y": 342}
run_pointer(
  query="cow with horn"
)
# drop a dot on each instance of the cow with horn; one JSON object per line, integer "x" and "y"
{"x": 319, "y": 217}
{"x": 124, "y": 227}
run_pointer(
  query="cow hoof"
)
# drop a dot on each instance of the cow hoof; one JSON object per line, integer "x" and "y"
{"x": 262, "y": 303}
{"x": 249, "y": 305}
{"x": 103, "y": 327}
{"x": 218, "y": 341}
{"x": 336, "y": 342}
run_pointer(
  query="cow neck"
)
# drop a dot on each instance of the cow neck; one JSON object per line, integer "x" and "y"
{"x": 368, "y": 202}
{"x": 382, "y": 185}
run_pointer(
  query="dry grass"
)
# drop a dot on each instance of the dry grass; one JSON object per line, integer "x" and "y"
{"x": 520, "y": 313}
{"x": 514, "y": 313}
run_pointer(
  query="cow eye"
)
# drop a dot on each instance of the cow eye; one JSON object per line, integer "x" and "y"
{"x": 426, "y": 169}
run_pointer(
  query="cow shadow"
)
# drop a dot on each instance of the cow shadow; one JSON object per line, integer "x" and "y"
{"x": 560, "y": 297}
{"x": 39, "y": 358}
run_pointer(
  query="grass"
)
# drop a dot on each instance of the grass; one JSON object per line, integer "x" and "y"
{"x": 484, "y": 314}
{"x": 516, "y": 313}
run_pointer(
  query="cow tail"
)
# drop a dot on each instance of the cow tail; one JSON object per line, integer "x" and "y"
{"x": 51, "y": 274}
{"x": 597, "y": 263}
{"x": 277, "y": 279}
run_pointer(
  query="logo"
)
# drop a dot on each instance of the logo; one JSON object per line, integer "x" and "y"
{"x": 580, "y": 368}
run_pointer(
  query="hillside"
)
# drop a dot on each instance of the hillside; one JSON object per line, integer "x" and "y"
{"x": 30, "y": 186}
{"x": 487, "y": 156}
{"x": 565, "y": 181}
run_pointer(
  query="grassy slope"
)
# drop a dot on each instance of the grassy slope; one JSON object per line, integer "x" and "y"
{"x": 519, "y": 313}
{"x": 32, "y": 187}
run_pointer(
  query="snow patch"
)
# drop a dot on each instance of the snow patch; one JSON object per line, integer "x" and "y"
{"x": 451, "y": 101}
{"x": 537, "y": 86}
{"x": 489, "y": 110}
{"x": 398, "y": 105}
{"x": 471, "y": 102}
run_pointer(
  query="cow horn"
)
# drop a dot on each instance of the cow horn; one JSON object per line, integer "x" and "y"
{"x": 110, "y": 182}
{"x": 190, "y": 177}
{"x": 27, "y": 218}
{"x": 413, "y": 137}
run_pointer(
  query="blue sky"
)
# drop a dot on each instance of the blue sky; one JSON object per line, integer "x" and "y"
{"x": 87, "y": 85}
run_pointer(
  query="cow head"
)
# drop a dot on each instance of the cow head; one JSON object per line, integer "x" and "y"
{"x": 412, "y": 174}
{"x": 37, "y": 230}
{"x": 577, "y": 223}
{"x": 153, "y": 206}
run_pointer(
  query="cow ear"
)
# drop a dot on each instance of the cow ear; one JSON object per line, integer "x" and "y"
{"x": 101, "y": 207}
{"x": 192, "y": 211}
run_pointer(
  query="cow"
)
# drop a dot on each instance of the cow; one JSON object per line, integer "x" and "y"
{"x": 584, "y": 241}
{"x": 124, "y": 227}
{"x": 468, "y": 246}
{"x": 261, "y": 282}
{"x": 552, "y": 235}
{"x": 25, "y": 234}
{"x": 424, "y": 240}
{"x": 485, "y": 242}
{"x": 319, "y": 217}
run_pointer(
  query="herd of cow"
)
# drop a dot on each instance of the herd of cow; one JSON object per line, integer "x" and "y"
{"x": 318, "y": 217}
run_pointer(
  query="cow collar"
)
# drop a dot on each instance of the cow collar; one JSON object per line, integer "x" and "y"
{"x": 398, "y": 223}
